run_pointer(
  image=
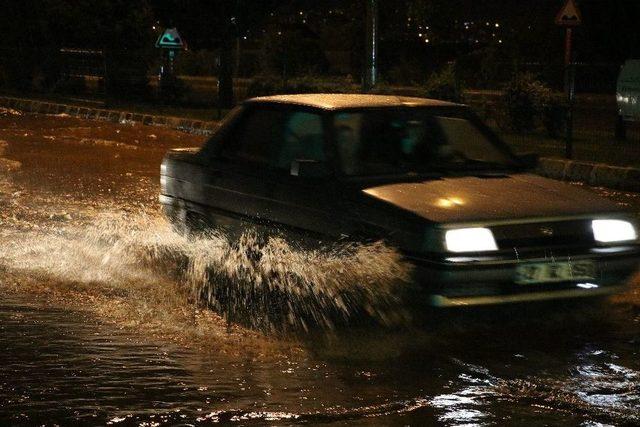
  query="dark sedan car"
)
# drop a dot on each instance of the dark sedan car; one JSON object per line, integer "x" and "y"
{"x": 426, "y": 176}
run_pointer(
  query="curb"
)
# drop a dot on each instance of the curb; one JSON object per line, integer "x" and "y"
{"x": 199, "y": 127}
{"x": 594, "y": 174}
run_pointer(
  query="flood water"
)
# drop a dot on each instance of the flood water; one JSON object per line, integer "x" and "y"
{"x": 98, "y": 323}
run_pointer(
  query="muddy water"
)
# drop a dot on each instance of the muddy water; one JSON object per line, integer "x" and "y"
{"x": 98, "y": 322}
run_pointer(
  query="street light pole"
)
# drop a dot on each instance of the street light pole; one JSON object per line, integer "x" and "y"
{"x": 371, "y": 61}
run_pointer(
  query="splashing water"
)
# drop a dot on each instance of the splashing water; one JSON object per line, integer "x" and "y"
{"x": 268, "y": 286}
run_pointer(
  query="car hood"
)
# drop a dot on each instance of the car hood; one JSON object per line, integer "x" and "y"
{"x": 473, "y": 199}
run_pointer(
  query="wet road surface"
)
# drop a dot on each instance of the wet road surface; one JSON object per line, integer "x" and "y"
{"x": 96, "y": 327}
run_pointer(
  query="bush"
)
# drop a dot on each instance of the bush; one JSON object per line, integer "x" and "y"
{"x": 197, "y": 63}
{"x": 554, "y": 117}
{"x": 127, "y": 73}
{"x": 444, "y": 85}
{"x": 263, "y": 86}
{"x": 527, "y": 101}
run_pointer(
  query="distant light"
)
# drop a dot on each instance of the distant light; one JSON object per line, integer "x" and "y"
{"x": 426, "y": 40}
{"x": 500, "y": 41}
{"x": 419, "y": 34}
{"x": 497, "y": 25}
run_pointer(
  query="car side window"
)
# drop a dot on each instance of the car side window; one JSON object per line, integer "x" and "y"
{"x": 303, "y": 139}
{"x": 257, "y": 134}
{"x": 276, "y": 137}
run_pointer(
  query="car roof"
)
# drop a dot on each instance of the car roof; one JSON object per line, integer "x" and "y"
{"x": 338, "y": 101}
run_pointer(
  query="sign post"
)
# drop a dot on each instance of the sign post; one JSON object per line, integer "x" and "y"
{"x": 171, "y": 43}
{"x": 370, "y": 77}
{"x": 569, "y": 18}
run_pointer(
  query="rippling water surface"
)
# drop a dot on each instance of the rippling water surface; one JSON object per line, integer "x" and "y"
{"x": 60, "y": 365}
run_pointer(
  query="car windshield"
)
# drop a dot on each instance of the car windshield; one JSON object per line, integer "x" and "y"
{"x": 399, "y": 142}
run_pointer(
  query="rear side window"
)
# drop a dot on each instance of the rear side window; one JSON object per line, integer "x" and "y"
{"x": 276, "y": 137}
{"x": 303, "y": 140}
{"x": 255, "y": 137}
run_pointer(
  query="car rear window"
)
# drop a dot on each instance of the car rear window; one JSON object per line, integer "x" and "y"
{"x": 277, "y": 137}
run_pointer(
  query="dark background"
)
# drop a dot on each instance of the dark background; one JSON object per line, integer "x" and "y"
{"x": 312, "y": 37}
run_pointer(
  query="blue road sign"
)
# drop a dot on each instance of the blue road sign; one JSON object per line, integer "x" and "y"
{"x": 170, "y": 39}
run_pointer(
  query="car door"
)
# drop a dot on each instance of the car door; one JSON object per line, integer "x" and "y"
{"x": 239, "y": 179}
{"x": 309, "y": 205}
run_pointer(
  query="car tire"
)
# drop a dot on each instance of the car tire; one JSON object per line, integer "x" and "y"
{"x": 175, "y": 215}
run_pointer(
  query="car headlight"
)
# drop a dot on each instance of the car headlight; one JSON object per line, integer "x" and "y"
{"x": 470, "y": 240}
{"x": 613, "y": 230}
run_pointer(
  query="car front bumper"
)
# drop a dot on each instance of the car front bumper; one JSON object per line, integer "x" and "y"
{"x": 460, "y": 281}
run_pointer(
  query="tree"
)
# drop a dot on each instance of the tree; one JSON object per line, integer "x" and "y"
{"x": 38, "y": 29}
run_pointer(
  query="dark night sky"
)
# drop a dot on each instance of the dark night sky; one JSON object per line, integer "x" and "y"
{"x": 610, "y": 31}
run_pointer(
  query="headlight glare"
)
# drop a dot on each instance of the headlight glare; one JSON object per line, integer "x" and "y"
{"x": 613, "y": 230}
{"x": 470, "y": 240}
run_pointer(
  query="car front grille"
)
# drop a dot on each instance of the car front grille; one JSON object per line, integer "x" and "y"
{"x": 547, "y": 235}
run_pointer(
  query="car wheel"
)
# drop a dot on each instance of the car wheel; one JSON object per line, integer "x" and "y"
{"x": 176, "y": 215}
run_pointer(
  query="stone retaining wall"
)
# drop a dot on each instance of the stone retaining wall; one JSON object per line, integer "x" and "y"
{"x": 595, "y": 174}
{"x": 46, "y": 107}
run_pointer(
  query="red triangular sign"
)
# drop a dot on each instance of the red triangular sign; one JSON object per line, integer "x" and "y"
{"x": 570, "y": 15}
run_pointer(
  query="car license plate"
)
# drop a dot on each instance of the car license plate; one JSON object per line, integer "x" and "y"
{"x": 549, "y": 272}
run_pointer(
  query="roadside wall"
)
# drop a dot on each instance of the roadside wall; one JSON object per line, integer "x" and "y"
{"x": 115, "y": 116}
{"x": 594, "y": 174}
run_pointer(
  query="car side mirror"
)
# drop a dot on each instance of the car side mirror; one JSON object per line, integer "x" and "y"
{"x": 309, "y": 168}
{"x": 529, "y": 160}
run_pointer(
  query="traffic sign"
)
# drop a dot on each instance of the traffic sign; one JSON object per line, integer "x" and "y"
{"x": 569, "y": 15}
{"x": 170, "y": 39}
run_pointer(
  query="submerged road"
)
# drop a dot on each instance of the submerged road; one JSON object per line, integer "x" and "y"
{"x": 98, "y": 325}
